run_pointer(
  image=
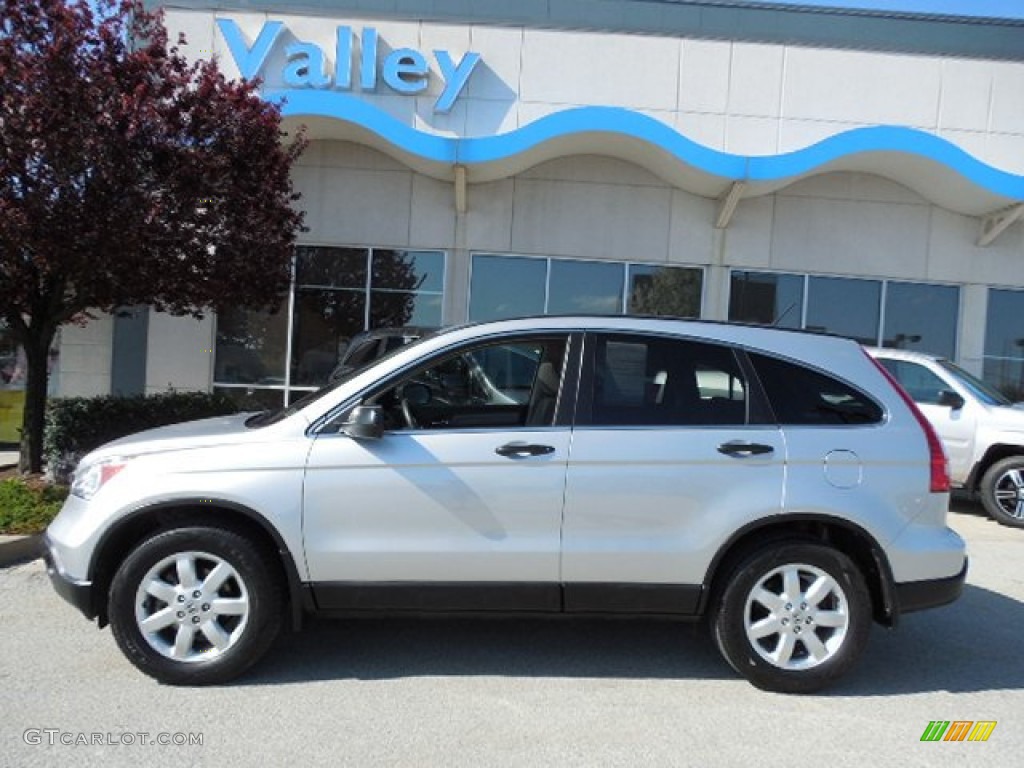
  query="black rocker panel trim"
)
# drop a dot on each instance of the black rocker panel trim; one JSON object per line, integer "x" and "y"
{"x": 505, "y": 597}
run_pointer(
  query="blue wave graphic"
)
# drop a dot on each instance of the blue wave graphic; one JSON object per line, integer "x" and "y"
{"x": 625, "y": 123}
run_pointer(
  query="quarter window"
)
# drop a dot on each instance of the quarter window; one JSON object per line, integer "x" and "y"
{"x": 800, "y": 396}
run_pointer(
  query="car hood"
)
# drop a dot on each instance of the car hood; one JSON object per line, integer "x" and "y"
{"x": 1006, "y": 417}
{"x": 218, "y": 430}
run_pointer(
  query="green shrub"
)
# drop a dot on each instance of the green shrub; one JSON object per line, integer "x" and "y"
{"x": 77, "y": 425}
{"x": 27, "y": 507}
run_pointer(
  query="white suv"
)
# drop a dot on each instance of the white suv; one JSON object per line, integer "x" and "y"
{"x": 774, "y": 482}
{"x": 982, "y": 430}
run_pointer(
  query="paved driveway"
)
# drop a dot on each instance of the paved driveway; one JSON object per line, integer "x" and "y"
{"x": 526, "y": 693}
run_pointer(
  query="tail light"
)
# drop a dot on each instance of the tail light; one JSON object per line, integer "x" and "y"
{"x": 939, "y": 464}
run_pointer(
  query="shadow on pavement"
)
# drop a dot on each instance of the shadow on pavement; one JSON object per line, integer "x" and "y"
{"x": 970, "y": 645}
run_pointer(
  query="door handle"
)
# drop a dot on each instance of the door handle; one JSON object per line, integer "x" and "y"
{"x": 740, "y": 448}
{"x": 519, "y": 450}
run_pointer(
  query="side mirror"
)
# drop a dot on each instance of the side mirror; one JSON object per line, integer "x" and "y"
{"x": 365, "y": 422}
{"x": 951, "y": 399}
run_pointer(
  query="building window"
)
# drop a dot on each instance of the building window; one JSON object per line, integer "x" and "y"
{"x": 517, "y": 286}
{"x": 1004, "y": 342}
{"x": 921, "y": 317}
{"x": 845, "y": 307}
{"x": 263, "y": 358}
{"x": 767, "y": 298}
{"x": 875, "y": 312}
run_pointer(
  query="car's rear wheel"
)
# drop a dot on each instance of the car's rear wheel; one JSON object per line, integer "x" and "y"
{"x": 793, "y": 617}
{"x": 195, "y": 605}
{"x": 1002, "y": 491}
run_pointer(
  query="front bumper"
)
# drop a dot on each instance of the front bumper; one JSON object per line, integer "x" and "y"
{"x": 78, "y": 593}
{"x": 929, "y": 593}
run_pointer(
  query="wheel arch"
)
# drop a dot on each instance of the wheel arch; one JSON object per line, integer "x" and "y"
{"x": 849, "y": 538}
{"x": 118, "y": 541}
{"x": 996, "y": 452}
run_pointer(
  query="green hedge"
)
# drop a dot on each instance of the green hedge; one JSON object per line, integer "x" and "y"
{"x": 77, "y": 425}
{"x": 28, "y": 508}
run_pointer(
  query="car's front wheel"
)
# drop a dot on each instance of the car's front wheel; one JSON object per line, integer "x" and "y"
{"x": 1002, "y": 491}
{"x": 196, "y": 605}
{"x": 793, "y": 617}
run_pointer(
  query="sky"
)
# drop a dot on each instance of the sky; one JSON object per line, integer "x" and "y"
{"x": 983, "y": 9}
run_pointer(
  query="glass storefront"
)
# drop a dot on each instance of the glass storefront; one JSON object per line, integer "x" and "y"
{"x": 919, "y": 316}
{"x": 1004, "y": 342}
{"x": 263, "y": 358}
{"x": 516, "y": 286}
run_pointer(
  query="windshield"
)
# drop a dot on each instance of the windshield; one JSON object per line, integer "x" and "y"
{"x": 266, "y": 418}
{"x": 982, "y": 390}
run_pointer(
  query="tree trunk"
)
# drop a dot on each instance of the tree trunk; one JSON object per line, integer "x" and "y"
{"x": 37, "y": 351}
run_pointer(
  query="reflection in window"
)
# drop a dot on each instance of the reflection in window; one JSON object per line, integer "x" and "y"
{"x": 408, "y": 270}
{"x": 330, "y": 267}
{"x": 766, "y": 299}
{"x": 506, "y": 286}
{"x": 515, "y": 286}
{"x": 1004, "y": 342}
{"x": 323, "y": 323}
{"x": 338, "y": 292}
{"x": 585, "y": 287}
{"x": 921, "y": 317}
{"x": 666, "y": 291}
{"x": 251, "y": 347}
{"x": 393, "y": 309}
{"x": 845, "y": 307}
{"x": 918, "y": 316}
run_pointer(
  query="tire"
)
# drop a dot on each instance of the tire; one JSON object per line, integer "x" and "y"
{"x": 1002, "y": 491}
{"x": 196, "y": 606}
{"x": 775, "y": 637}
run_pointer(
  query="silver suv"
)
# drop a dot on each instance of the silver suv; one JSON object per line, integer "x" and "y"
{"x": 982, "y": 430}
{"x": 777, "y": 483}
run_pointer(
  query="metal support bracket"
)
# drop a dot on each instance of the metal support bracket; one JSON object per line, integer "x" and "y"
{"x": 727, "y": 204}
{"x": 460, "y": 188}
{"x": 993, "y": 225}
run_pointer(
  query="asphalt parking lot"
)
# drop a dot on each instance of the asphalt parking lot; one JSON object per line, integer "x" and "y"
{"x": 495, "y": 692}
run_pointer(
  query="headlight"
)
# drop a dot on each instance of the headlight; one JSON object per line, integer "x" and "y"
{"x": 88, "y": 480}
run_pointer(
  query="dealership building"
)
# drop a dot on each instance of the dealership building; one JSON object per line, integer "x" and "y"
{"x": 852, "y": 167}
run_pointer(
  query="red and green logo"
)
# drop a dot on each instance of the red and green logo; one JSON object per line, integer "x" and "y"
{"x": 958, "y": 730}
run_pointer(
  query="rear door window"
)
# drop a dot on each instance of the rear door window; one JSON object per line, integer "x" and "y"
{"x": 651, "y": 380}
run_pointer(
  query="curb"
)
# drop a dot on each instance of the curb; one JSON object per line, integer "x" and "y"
{"x": 19, "y": 549}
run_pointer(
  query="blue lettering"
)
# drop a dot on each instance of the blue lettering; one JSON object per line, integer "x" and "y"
{"x": 454, "y": 77}
{"x": 368, "y": 67}
{"x": 405, "y": 71}
{"x": 249, "y": 60}
{"x": 343, "y": 59}
{"x": 305, "y": 67}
